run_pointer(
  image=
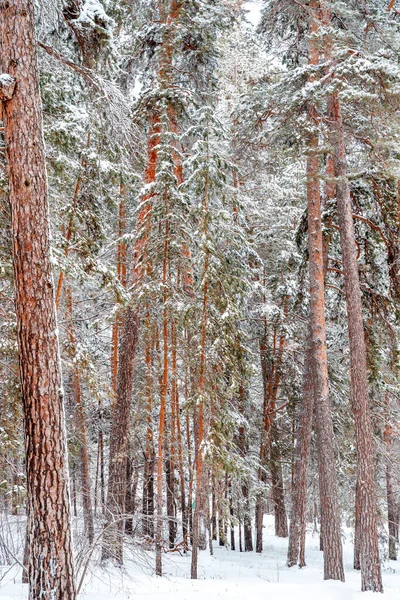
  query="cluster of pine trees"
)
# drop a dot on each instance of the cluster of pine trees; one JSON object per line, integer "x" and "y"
{"x": 211, "y": 330}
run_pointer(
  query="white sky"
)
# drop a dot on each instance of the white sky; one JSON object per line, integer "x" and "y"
{"x": 254, "y": 8}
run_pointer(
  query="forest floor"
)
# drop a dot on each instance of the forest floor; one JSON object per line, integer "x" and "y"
{"x": 229, "y": 575}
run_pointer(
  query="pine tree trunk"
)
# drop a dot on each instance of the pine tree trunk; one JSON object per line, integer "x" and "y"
{"x": 232, "y": 514}
{"x": 302, "y": 457}
{"x": 177, "y": 428}
{"x": 371, "y": 578}
{"x": 392, "y": 509}
{"x": 261, "y": 469}
{"x": 391, "y": 512}
{"x": 213, "y": 512}
{"x": 122, "y": 278}
{"x": 130, "y": 494}
{"x": 51, "y": 571}
{"x": 278, "y": 494}
{"x": 190, "y": 468}
{"x": 81, "y": 427}
{"x": 149, "y": 455}
{"x": 247, "y": 528}
{"x": 170, "y": 483}
{"x": 163, "y": 398}
{"x": 200, "y": 413}
{"x": 333, "y": 554}
{"x": 119, "y": 443}
{"x": 120, "y": 425}
{"x": 270, "y": 434}
{"x": 357, "y": 545}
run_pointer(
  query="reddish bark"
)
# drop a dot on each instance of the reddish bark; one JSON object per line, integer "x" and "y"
{"x": 371, "y": 578}
{"x": 51, "y": 570}
{"x": 333, "y": 554}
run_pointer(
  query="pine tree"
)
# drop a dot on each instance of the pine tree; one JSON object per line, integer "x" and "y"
{"x": 51, "y": 570}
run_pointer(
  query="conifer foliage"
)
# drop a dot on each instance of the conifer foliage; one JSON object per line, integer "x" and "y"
{"x": 199, "y": 282}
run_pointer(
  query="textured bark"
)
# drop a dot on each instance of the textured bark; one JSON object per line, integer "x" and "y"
{"x": 333, "y": 554}
{"x": 357, "y": 545}
{"x": 371, "y": 578}
{"x": 51, "y": 571}
{"x": 297, "y": 534}
{"x": 302, "y": 457}
{"x": 119, "y": 443}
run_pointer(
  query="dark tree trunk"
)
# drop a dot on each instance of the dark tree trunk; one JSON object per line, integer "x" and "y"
{"x": 51, "y": 570}
{"x": 232, "y": 513}
{"x": 119, "y": 443}
{"x": 148, "y": 497}
{"x": 213, "y": 513}
{"x": 260, "y": 503}
{"x": 81, "y": 430}
{"x": 169, "y": 475}
{"x": 302, "y": 457}
{"x": 278, "y": 492}
{"x": 391, "y": 512}
{"x": 130, "y": 497}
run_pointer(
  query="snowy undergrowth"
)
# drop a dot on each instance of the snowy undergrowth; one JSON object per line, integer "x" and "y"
{"x": 230, "y": 575}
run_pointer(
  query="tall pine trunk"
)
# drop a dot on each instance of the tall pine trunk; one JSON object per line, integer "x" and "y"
{"x": 51, "y": 570}
{"x": 200, "y": 403}
{"x": 333, "y": 554}
{"x": 371, "y": 578}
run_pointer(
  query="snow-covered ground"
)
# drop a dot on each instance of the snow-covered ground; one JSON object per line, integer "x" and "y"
{"x": 229, "y": 575}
